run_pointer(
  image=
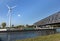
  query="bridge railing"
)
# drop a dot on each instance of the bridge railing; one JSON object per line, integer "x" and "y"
{"x": 44, "y": 28}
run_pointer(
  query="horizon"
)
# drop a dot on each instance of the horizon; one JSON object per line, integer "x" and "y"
{"x": 28, "y": 11}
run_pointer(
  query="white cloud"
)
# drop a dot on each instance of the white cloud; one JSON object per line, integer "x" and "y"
{"x": 19, "y": 15}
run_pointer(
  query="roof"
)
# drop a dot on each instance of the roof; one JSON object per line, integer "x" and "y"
{"x": 54, "y": 18}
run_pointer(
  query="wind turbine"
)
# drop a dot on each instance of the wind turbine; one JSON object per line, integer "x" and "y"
{"x": 10, "y": 14}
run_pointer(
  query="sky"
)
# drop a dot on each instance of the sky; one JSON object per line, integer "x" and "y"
{"x": 27, "y": 11}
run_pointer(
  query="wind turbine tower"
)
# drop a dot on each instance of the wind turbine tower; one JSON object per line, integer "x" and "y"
{"x": 10, "y": 14}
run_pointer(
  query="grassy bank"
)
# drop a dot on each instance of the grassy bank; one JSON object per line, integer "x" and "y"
{"x": 54, "y": 37}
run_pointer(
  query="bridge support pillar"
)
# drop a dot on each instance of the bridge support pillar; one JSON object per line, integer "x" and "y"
{"x": 36, "y": 26}
{"x": 47, "y": 31}
{"x": 51, "y": 31}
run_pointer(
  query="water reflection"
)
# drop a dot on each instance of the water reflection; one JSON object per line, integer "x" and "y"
{"x": 20, "y": 35}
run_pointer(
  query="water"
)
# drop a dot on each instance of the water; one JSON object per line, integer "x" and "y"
{"x": 19, "y": 35}
{"x": 12, "y": 36}
{"x": 58, "y": 30}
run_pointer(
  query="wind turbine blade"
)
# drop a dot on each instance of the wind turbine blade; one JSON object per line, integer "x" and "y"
{"x": 8, "y": 7}
{"x": 13, "y": 7}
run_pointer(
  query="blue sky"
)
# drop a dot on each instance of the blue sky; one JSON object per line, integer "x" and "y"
{"x": 31, "y": 11}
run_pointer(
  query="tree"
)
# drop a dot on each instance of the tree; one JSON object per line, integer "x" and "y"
{"x": 30, "y": 26}
{"x": 27, "y": 25}
{"x": 3, "y": 24}
{"x": 12, "y": 25}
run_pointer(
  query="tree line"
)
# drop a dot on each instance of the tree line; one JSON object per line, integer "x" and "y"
{"x": 3, "y": 25}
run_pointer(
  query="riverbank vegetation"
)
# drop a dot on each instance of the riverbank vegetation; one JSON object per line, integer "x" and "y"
{"x": 54, "y": 37}
{"x": 5, "y": 26}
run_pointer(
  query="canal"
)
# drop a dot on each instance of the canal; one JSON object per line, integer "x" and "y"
{"x": 12, "y": 36}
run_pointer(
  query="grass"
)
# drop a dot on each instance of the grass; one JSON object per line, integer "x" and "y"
{"x": 54, "y": 37}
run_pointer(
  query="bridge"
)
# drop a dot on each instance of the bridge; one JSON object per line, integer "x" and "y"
{"x": 49, "y": 23}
